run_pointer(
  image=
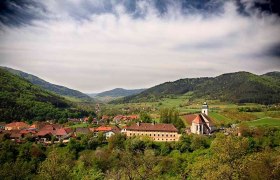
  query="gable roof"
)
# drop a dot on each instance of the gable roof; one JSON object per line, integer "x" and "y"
{"x": 189, "y": 118}
{"x": 60, "y": 132}
{"x": 103, "y": 129}
{"x": 198, "y": 120}
{"x": 44, "y": 132}
{"x": 152, "y": 127}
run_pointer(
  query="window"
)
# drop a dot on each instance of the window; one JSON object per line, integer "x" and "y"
{"x": 166, "y": 135}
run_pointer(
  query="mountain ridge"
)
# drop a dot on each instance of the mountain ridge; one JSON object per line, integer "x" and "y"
{"x": 57, "y": 89}
{"x": 237, "y": 87}
{"x": 22, "y": 100}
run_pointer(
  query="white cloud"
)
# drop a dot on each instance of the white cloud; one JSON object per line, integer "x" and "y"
{"x": 105, "y": 50}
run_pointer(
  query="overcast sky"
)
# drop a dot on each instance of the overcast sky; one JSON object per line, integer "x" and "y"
{"x": 98, "y": 45}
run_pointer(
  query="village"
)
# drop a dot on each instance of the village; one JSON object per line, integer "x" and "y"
{"x": 130, "y": 125}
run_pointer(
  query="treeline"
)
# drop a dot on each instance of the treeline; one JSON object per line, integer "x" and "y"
{"x": 255, "y": 156}
{"x": 171, "y": 116}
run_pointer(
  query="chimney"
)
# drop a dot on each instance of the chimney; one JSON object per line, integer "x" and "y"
{"x": 153, "y": 123}
{"x": 138, "y": 123}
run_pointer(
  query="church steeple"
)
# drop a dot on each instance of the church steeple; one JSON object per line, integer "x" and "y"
{"x": 204, "y": 109}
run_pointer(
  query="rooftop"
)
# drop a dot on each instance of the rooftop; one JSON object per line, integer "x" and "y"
{"x": 152, "y": 127}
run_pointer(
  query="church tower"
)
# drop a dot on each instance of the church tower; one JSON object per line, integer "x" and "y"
{"x": 204, "y": 109}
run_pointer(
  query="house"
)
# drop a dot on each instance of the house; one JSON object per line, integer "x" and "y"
{"x": 157, "y": 132}
{"x": 117, "y": 119}
{"x": 16, "y": 135}
{"x": 46, "y": 132}
{"x": 38, "y": 125}
{"x": 74, "y": 120}
{"x": 26, "y": 132}
{"x": 107, "y": 130}
{"x": 120, "y": 118}
{"x": 2, "y": 125}
{"x": 201, "y": 123}
{"x": 105, "y": 117}
{"x": 16, "y": 126}
{"x": 44, "y": 135}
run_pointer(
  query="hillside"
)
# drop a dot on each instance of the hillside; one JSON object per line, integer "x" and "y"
{"x": 60, "y": 90}
{"x": 20, "y": 99}
{"x": 239, "y": 87}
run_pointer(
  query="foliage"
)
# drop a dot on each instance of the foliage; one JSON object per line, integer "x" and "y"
{"x": 168, "y": 115}
{"x": 253, "y": 156}
{"x": 145, "y": 117}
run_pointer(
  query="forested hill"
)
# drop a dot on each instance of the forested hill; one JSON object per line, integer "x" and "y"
{"x": 239, "y": 87}
{"x": 20, "y": 99}
{"x": 60, "y": 90}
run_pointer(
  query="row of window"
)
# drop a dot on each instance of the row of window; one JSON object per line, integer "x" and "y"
{"x": 165, "y": 139}
{"x": 171, "y": 135}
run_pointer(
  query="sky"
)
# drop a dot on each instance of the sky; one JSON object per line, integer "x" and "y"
{"x": 97, "y": 45}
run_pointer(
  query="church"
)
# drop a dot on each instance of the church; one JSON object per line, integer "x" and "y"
{"x": 201, "y": 123}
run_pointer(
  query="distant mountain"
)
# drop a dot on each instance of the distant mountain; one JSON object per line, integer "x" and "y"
{"x": 239, "y": 87}
{"x": 71, "y": 94}
{"x": 114, "y": 94}
{"x": 120, "y": 92}
{"x": 20, "y": 99}
{"x": 92, "y": 95}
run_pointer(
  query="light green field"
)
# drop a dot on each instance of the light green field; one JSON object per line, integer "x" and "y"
{"x": 219, "y": 118}
{"x": 79, "y": 125}
{"x": 272, "y": 122}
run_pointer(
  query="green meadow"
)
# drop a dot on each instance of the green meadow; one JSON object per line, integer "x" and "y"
{"x": 267, "y": 121}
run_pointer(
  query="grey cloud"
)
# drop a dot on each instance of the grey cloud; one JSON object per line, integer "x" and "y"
{"x": 98, "y": 45}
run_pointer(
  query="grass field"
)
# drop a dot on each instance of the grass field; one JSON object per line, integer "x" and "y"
{"x": 267, "y": 121}
{"x": 219, "y": 118}
{"x": 79, "y": 125}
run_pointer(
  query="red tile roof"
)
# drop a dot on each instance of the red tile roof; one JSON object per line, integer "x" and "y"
{"x": 60, "y": 132}
{"x": 103, "y": 129}
{"x": 44, "y": 132}
{"x": 17, "y": 125}
{"x": 68, "y": 130}
{"x": 198, "y": 120}
{"x": 152, "y": 127}
{"x": 189, "y": 118}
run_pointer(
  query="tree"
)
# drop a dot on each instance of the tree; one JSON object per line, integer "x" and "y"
{"x": 90, "y": 119}
{"x": 57, "y": 166}
{"x": 171, "y": 116}
{"x": 117, "y": 141}
{"x": 145, "y": 117}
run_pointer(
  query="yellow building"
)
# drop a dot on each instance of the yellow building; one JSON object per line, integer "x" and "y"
{"x": 157, "y": 132}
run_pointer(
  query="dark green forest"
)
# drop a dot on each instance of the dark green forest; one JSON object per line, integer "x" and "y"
{"x": 21, "y": 100}
{"x": 239, "y": 87}
{"x": 256, "y": 155}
